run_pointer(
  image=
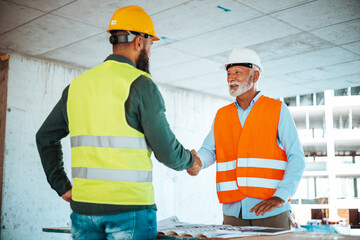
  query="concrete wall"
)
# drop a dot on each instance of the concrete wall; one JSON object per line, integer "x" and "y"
{"x": 29, "y": 204}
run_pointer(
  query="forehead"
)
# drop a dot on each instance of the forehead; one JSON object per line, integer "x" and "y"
{"x": 238, "y": 68}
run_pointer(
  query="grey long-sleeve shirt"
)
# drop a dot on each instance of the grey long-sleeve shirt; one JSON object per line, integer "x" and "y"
{"x": 145, "y": 111}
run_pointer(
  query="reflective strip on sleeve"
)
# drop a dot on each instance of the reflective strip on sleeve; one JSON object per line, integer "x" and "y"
{"x": 112, "y": 174}
{"x": 109, "y": 142}
{"x": 257, "y": 182}
{"x": 225, "y": 166}
{"x": 262, "y": 163}
{"x": 226, "y": 186}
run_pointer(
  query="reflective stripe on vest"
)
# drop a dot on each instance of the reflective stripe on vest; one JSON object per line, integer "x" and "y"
{"x": 257, "y": 182}
{"x": 251, "y": 162}
{"x": 225, "y": 166}
{"x": 262, "y": 163}
{"x": 226, "y": 186}
{"x": 112, "y": 174}
{"x": 109, "y": 142}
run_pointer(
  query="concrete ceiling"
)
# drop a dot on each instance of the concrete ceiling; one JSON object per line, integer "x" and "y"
{"x": 306, "y": 46}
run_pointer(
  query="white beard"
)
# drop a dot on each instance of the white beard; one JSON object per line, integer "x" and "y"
{"x": 242, "y": 87}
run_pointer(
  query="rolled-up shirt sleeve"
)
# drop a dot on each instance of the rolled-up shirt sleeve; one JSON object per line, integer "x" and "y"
{"x": 207, "y": 152}
{"x": 290, "y": 142}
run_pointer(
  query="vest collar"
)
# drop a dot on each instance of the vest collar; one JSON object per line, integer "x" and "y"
{"x": 119, "y": 58}
{"x": 258, "y": 95}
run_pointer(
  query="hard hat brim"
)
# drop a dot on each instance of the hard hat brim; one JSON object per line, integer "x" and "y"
{"x": 225, "y": 66}
{"x": 155, "y": 38}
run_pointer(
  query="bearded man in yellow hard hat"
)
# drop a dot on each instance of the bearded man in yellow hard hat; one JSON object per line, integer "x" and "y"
{"x": 115, "y": 116}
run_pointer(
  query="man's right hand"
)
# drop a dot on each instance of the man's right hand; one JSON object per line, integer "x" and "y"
{"x": 195, "y": 169}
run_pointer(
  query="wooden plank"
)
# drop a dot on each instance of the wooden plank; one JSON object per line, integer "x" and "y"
{"x": 4, "y": 69}
{"x": 58, "y": 230}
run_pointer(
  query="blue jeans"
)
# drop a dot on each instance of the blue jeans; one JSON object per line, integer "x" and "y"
{"x": 128, "y": 225}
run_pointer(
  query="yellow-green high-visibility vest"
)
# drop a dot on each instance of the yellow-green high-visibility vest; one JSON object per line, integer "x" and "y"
{"x": 110, "y": 159}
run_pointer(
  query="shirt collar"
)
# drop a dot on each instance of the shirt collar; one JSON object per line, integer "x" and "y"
{"x": 120, "y": 58}
{"x": 258, "y": 95}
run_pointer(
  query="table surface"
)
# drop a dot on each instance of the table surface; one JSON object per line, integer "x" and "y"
{"x": 284, "y": 236}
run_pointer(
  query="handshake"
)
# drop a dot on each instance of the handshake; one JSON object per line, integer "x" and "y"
{"x": 195, "y": 168}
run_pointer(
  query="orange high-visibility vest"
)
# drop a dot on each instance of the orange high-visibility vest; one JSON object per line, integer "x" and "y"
{"x": 249, "y": 162}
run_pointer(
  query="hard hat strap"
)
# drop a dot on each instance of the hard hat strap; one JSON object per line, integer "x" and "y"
{"x": 249, "y": 65}
{"x": 115, "y": 39}
{"x": 141, "y": 34}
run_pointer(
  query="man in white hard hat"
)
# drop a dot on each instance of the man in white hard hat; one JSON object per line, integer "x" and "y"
{"x": 258, "y": 155}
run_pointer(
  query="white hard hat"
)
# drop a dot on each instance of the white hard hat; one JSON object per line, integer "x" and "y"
{"x": 243, "y": 57}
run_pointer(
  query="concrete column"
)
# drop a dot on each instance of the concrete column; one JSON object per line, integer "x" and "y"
{"x": 330, "y": 145}
{"x": 307, "y": 120}
{"x": 297, "y": 100}
{"x": 350, "y": 118}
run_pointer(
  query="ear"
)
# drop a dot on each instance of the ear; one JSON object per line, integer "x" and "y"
{"x": 139, "y": 43}
{"x": 256, "y": 76}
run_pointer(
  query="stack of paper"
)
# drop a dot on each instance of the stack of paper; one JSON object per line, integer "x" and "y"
{"x": 173, "y": 227}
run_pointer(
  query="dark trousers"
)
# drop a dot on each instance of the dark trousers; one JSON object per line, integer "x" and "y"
{"x": 279, "y": 221}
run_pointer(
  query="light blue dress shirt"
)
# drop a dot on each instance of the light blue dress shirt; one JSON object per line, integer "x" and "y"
{"x": 288, "y": 140}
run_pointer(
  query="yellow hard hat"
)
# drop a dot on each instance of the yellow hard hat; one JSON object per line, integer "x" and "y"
{"x": 133, "y": 18}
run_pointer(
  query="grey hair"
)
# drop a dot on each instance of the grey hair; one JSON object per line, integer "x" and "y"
{"x": 256, "y": 68}
{"x": 253, "y": 69}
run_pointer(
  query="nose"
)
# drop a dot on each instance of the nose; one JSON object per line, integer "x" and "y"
{"x": 230, "y": 77}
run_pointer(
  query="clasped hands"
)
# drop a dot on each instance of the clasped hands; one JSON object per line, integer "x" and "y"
{"x": 195, "y": 168}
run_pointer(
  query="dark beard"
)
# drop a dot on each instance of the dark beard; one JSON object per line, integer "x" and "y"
{"x": 143, "y": 61}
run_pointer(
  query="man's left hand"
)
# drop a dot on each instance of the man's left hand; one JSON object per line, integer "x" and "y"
{"x": 267, "y": 205}
{"x": 67, "y": 196}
